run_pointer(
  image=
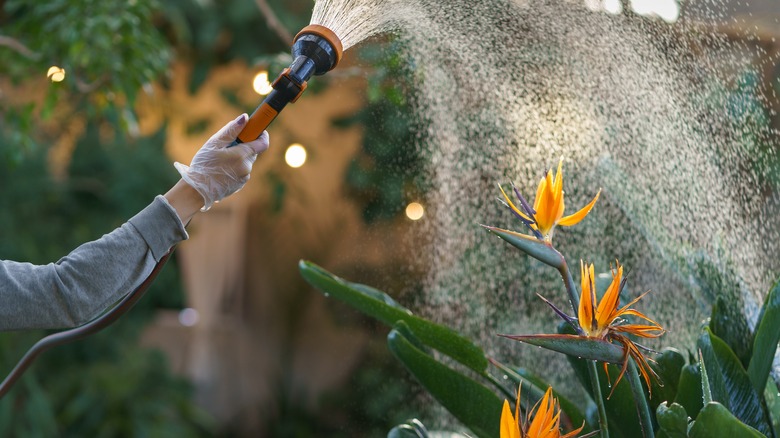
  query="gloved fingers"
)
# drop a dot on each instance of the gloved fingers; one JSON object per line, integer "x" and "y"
{"x": 260, "y": 145}
{"x": 225, "y": 136}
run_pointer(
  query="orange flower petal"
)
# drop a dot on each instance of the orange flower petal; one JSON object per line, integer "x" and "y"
{"x": 509, "y": 427}
{"x": 580, "y": 215}
{"x": 605, "y": 313}
{"x": 585, "y": 311}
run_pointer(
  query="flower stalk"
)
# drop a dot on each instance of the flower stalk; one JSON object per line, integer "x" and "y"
{"x": 645, "y": 418}
{"x": 574, "y": 298}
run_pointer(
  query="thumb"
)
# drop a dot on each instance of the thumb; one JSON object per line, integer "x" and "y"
{"x": 225, "y": 136}
{"x": 260, "y": 145}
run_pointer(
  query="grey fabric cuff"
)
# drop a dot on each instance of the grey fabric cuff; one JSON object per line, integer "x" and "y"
{"x": 160, "y": 227}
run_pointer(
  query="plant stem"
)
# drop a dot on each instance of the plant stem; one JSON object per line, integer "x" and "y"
{"x": 568, "y": 281}
{"x": 645, "y": 420}
{"x": 598, "y": 398}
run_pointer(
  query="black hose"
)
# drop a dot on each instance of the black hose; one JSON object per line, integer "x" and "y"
{"x": 83, "y": 331}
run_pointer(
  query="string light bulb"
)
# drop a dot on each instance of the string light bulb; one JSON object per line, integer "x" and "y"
{"x": 56, "y": 74}
{"x": 261, "y": 84}
{"x": 295, "y": 156}
{"x": 415, "y": 211}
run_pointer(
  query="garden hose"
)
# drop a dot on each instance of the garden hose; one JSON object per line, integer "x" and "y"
{"x": 316, "y": 50}
{"x": 83, "y": 331}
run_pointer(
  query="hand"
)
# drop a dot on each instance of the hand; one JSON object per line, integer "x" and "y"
{"x": 217, "y": 171}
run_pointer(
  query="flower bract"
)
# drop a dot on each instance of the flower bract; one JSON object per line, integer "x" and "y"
{"x": 542, "y": 421}
{"x": 606, "y": 320}
{"x": 548, "y": 208}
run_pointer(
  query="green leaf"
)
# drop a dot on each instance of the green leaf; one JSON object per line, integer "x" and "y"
{"x": 689, "y": 392}
{"x": 668, "y": 365}
{"x": 673, "y": 420}
{"x": 730, "y": 383}
{"x": 529, "y": 245}
{"x": 728, "y": 322}
{"x": 574, "y": 345}
{"x": 411, "y": 429}
{"x": 715, "y": 421}
{"x": 380, "y": 306}
{"x": 471, "y": 403}
{"x": 765, "y": 340}
{"x": 772, "y": 399}
{"x": 621, "y": 412}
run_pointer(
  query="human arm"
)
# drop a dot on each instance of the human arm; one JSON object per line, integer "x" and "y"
{"x": 93, "y": 276}
{"x": 97, "y": 274}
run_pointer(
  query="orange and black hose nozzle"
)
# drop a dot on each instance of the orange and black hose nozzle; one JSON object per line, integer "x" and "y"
{"x": 316, "y": 50}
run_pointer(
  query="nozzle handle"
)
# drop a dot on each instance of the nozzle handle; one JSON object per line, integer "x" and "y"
{"x": 257, "y": 123}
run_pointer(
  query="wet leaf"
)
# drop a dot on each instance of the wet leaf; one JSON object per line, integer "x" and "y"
{"x": 772, "y": 399}
{"x": 668, "y": 365}
{"x": 621, "y": 411}
{"x": 529, "y": 245}
{"x": 573, "y": 345}
{"x": 730, "y": 384}
{"x": 471, "y": 403}
{"x": 673, "y": 420}
{"x": 411, "y": 429}
{"x": 765, "y": 341}
{"x": 380, "y": 306}
{"x": 689, "y": 393}
{"x": 715, "y": 421}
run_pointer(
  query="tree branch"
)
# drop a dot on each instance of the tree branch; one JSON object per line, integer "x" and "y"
{"x": 18, "y": 47}
{"x": 273, "y": 21}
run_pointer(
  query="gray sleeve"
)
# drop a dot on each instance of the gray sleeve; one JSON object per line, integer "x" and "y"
{"x": 95, "y": 275}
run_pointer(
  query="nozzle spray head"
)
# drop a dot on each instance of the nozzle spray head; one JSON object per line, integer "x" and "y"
{"x": 316, "y": 51}
{"x": 319, "y": 44}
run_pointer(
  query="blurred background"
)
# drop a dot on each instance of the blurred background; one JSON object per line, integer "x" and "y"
{"x": 98, "y": 98}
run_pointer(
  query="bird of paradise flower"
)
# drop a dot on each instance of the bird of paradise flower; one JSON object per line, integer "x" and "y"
{"x": 542, "y": 421}
{"x": 549, "y": 206}
{"x": 605, "y": 320}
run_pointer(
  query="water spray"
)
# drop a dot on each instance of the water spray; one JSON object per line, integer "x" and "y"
{"x": 316, "y": 50}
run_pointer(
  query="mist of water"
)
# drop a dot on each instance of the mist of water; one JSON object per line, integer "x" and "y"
{"x": 644, "y": 110}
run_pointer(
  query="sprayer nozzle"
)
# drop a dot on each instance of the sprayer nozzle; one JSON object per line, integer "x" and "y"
{"x": 320, "y": 44}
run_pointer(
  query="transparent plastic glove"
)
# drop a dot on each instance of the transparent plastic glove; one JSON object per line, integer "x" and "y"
{"x": 218, "y": 171}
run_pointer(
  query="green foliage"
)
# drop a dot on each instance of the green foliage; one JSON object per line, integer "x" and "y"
{"x": 379, "y": 305}
{"x": 730, "y": 383}
{"x": 108, "y": 49}
{"x": 672, "y": 420}
{"x": 104, "y": 385}
{"x": 765, "y": 341}
{"x": 714, "y": 421}
{"x": 717, "y": 389}
{"x": 389, "y": 171}
{"x": 97, "y": 388}
{"x": 111, "y": 44}
{"x": 473, "y": 404}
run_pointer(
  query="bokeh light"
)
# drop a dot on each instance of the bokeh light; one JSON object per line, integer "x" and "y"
{"x": 188, "y": 317}
{"x": 56, "y": 74}
{"x": 415, "y": 211}
{"x": 261, "y": 84}
{"x": 667, "y": 10}
{"x": 613, "y": 7}
{"x": 295, "y": 156}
